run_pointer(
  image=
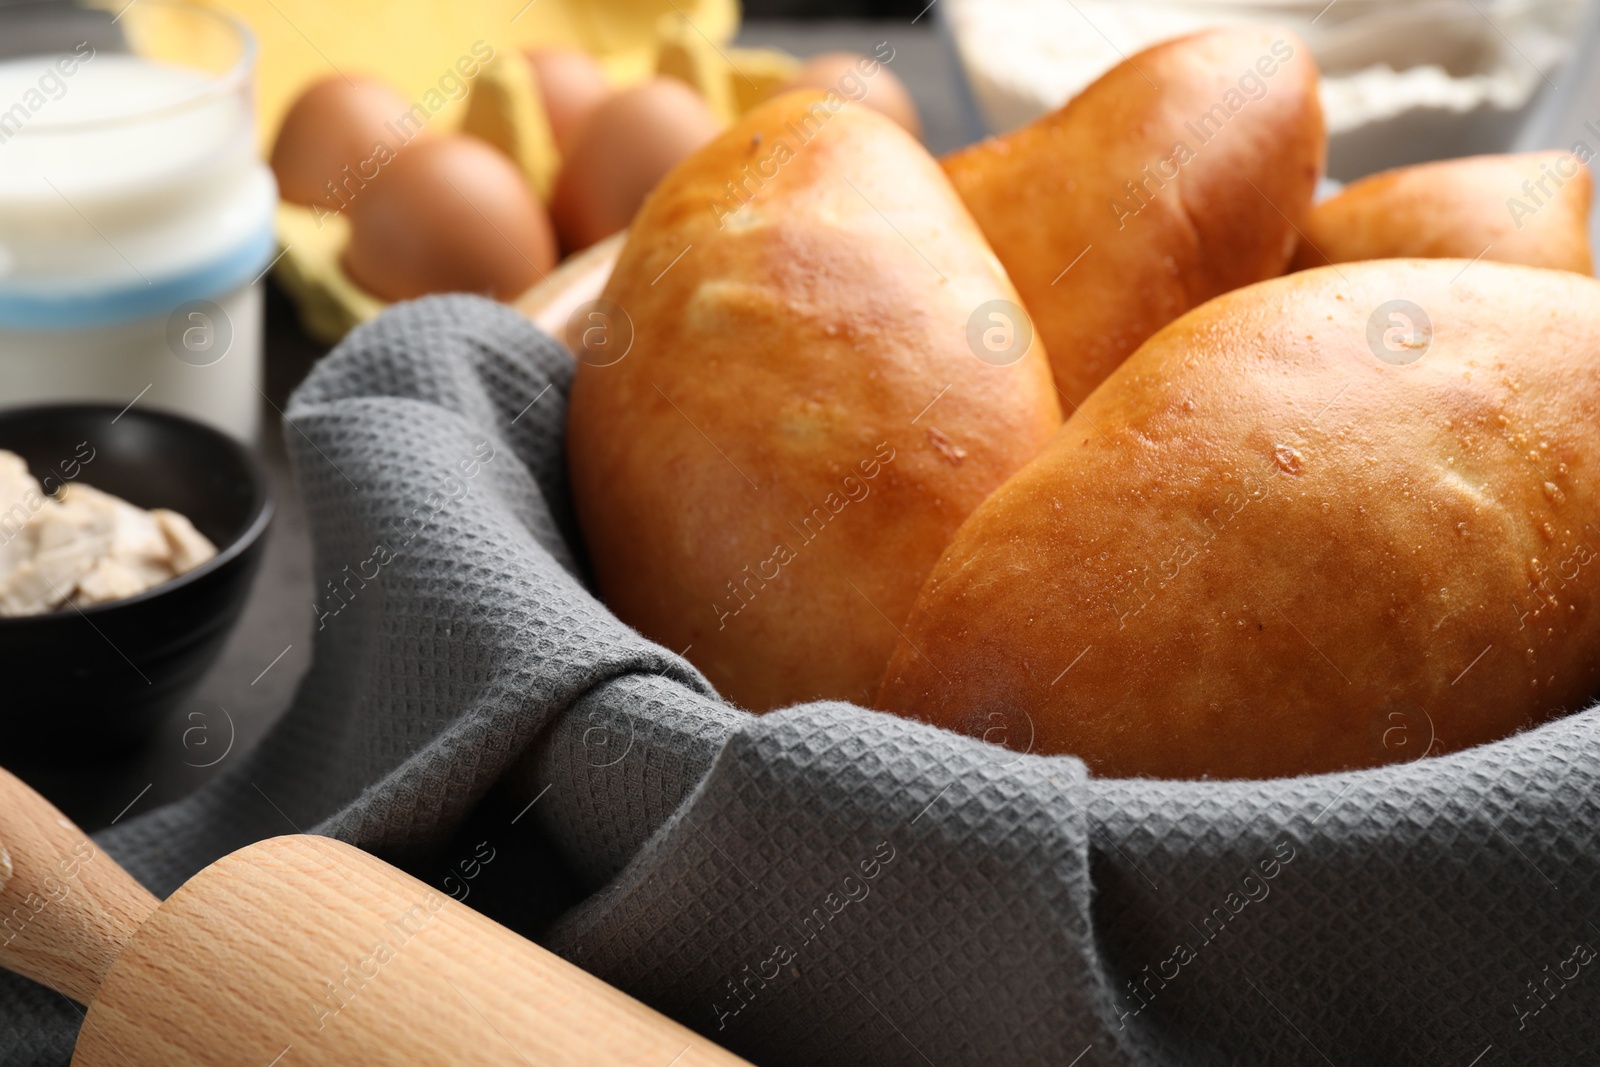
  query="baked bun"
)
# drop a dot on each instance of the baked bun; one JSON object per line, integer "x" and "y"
{"x": 1332, "y": 520}
{"x": 1531, "y": 208}
{"x": 1179, "y": 175}
{"x": 766, "y": 477}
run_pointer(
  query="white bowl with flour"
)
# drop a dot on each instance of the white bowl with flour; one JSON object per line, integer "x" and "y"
{"x": 1403, "y": 80}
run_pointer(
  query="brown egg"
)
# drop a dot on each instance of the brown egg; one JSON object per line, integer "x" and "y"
{"x": 629, "y": 142}
{"x": 862, "y": 79}
{"x": 571, "y": 85}
{"x": 333, "y": 125}
{"x": 449, "y": 214}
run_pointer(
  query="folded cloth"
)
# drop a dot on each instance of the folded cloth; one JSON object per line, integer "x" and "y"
{"x": 826, "y": 884}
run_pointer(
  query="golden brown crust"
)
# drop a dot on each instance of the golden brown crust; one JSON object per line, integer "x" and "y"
{"x": 1531, "y": 208}
{"x": 800, "y": 425}
{"x": 1259, "y": 550}
{"x": 1225, "y": 217}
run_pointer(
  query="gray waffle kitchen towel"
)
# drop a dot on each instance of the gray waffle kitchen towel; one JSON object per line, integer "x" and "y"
{"x": 828, "y": 885}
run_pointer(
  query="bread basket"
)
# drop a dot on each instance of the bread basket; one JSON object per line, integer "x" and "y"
{"x": 826, "y": 883}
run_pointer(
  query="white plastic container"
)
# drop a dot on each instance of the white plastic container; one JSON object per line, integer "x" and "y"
{"x": 135, "y": 215}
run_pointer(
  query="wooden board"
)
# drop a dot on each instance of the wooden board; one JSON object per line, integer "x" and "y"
{"x": 579, "y": 278}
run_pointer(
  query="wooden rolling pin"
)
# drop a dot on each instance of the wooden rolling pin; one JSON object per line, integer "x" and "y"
{"x": 298, "y": 950}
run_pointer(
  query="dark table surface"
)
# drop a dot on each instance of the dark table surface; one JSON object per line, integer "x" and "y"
{"x": 255, "y": 677}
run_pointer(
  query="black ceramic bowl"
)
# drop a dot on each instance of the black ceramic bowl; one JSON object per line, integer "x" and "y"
{"x": 88, "y": 682}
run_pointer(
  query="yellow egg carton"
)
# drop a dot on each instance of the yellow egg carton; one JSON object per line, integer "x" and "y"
{"x": 417, "y": 46}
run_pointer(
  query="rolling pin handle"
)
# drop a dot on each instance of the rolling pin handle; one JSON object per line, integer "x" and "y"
{"x": 66, "y": 908}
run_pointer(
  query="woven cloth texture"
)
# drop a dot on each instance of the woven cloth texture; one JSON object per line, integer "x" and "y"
{"x": 825, "y": 884}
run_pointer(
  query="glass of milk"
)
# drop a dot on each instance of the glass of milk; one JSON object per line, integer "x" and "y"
{"x": 136, "y": 218}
